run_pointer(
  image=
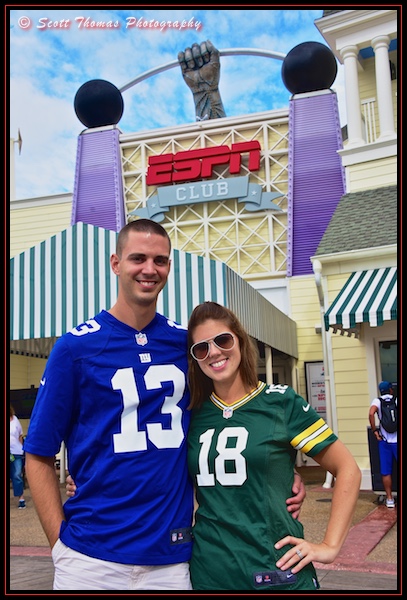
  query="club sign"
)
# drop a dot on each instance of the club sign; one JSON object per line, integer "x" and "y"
{"x": 191, "y": 165}
{"x": 197, "y": 164}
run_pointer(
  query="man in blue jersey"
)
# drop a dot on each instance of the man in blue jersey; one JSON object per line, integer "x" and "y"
{"x": 115, "y": 390}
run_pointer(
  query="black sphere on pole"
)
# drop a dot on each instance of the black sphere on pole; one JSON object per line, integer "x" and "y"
{"x": 98, "y": 103}
{"x": 309, "y": 67}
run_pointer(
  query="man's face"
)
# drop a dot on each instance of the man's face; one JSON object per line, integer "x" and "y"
{"x": 143, "y": 267}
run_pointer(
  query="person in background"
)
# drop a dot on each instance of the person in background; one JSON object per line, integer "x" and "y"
{"x": 115, "y": 390}
{"x": 17, "y": 458}
{"x": 242, "y": 445}
{"x": 387, "y": 441}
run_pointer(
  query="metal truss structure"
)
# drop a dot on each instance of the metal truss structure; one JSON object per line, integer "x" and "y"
{"x": 252, "y": 243}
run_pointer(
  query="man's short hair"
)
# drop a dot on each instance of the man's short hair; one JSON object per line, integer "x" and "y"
{"x": 145, "y": 225}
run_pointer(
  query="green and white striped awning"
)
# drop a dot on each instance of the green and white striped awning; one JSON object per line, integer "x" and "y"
{"x": 67, "y": 279}
{"x": 367, "y": 297}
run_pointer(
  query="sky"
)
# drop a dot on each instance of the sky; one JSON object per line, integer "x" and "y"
{"x": 54, "y": 51}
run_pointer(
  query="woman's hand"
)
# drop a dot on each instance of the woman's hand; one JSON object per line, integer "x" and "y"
{"x": 302, "y": 553}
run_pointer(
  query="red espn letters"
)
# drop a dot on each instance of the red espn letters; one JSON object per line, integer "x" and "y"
{"x": 194, "y": 164}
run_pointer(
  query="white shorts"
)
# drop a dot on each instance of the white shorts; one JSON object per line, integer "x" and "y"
{"x": 76, "y": 571}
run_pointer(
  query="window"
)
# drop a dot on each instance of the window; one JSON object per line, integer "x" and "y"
{"x": 388, "y": 362}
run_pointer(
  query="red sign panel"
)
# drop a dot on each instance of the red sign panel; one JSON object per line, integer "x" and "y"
{"x": 190, "y": 165}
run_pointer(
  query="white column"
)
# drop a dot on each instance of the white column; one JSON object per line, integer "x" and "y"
{"x": 294, "y": 372}
{"x": 380, "y": 46}
{"x": 62, "y": 464}
{"x": 269, "y": 364}
{"x": 12, "y": 171}
{"x": 353, "y": 112}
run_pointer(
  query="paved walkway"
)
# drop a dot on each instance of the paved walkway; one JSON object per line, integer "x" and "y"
{"x": 368, "y": 560}
{"x": 31, "y": 568}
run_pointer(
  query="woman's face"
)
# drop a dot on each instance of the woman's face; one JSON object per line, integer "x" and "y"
{"x": 221, "y": 364}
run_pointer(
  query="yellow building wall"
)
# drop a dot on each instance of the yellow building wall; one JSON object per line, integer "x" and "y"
{"x": 31, "y": 226}
{"x": 25, "y": 371}
{"x": 349, "y": 377}
{"x": 305, "y": 312}
{"x": 349, "y": 372}
{"x": 373, "y": 174}
{"x": 24, "y": 424}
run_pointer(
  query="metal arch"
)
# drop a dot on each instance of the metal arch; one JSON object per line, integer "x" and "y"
{"x": 227, "y": 52}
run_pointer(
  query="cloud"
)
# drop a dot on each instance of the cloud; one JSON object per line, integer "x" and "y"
{"x": 49, "y": 61}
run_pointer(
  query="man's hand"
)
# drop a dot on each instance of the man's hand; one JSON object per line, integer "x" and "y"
{"x": 200, "y": 68}
{"x": 70, "y": 486}
{"x": 294, "y": 503}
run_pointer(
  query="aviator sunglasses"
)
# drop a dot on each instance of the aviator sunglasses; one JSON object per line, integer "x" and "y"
{"x": 223, "y": 341}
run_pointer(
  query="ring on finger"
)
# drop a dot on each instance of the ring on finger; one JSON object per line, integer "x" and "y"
{"x": 299, "y": 554}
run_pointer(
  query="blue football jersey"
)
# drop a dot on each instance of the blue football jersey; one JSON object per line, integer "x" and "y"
{"x": 118, "y": 398}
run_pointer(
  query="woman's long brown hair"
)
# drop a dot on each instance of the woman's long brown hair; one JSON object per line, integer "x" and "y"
{"x": 200, "y": 385}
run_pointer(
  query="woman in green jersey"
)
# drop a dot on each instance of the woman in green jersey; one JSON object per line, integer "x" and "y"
{"x": 242, "y": 445}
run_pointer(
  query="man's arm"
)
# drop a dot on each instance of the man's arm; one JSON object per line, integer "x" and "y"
{"x": 44, "y": 486}
{"x": 372, "y": 411}
{"x": 294, "y": 503}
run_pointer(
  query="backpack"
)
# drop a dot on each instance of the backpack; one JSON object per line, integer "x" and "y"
{"x": 389, "y": 414}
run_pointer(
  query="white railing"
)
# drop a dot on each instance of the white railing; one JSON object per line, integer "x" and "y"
{"x": 369, "y": 119}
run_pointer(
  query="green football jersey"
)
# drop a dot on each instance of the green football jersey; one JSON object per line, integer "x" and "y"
{"x": 242, "y": 458}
